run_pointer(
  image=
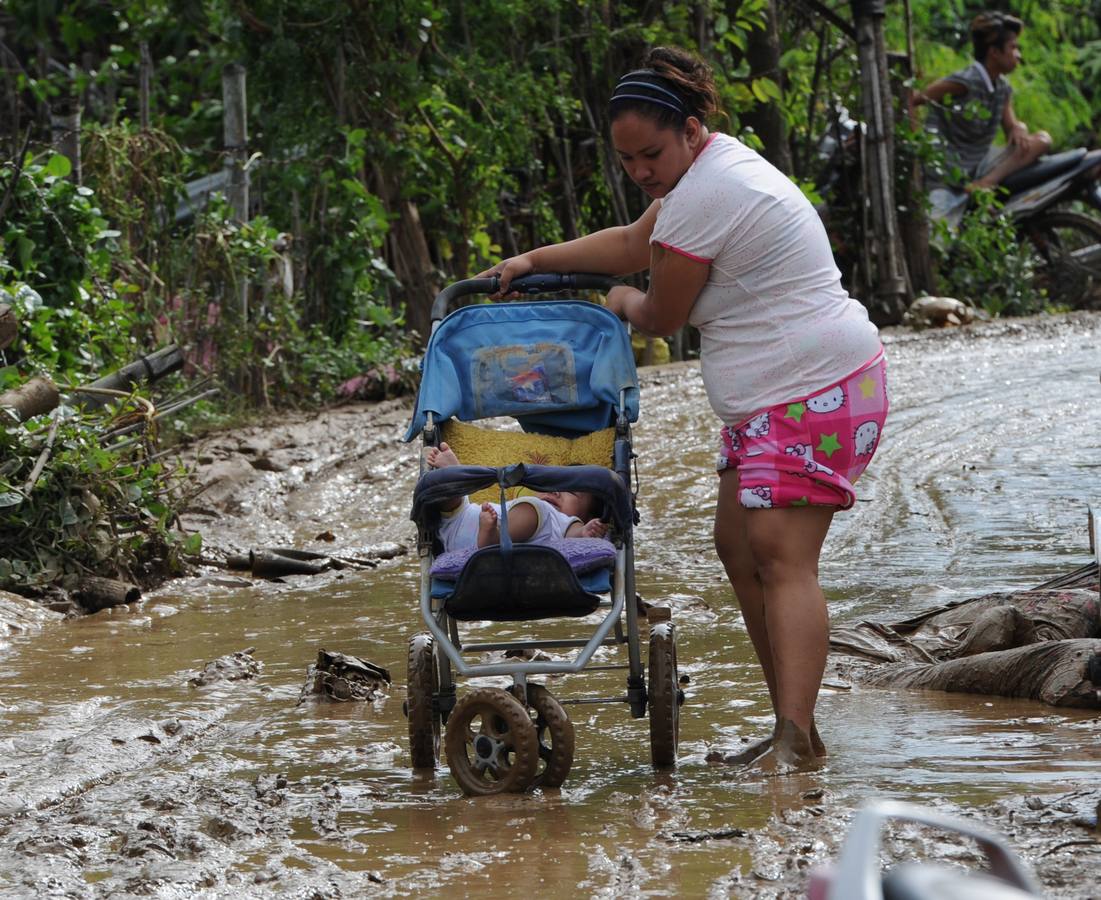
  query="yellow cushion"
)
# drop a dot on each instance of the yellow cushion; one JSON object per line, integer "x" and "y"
{"x": 481, "y": 447}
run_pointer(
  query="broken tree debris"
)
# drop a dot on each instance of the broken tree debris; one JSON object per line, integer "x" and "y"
{"x": 275, "y": 562}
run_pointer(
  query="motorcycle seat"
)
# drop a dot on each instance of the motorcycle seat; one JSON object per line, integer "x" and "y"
{"x": 1044, "y": 168}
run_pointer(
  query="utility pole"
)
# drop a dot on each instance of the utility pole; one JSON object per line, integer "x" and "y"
{"x": 889, "y": 300}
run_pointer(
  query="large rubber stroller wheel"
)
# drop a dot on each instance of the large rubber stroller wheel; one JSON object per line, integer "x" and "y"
{"x": 491, "y": 743}
{"x": 663, "y": 695}
{"x": 555, "y": 734}
{"x": 422, "y": 683}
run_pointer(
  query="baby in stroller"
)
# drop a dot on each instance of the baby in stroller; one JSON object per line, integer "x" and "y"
{"x": 541, "y": 518}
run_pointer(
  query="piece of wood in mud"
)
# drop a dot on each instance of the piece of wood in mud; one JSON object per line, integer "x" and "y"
{"x": 96, "y": 593}
{"x": 35, "y": 397}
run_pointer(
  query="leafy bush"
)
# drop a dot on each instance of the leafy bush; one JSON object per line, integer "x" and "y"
{"x": 89, "y": 511}
{"x": 984, "y": 262}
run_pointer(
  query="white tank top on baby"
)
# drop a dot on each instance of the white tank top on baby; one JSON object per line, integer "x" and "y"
{"x": 775, "y": 323}
{"x": 459, "y": 530}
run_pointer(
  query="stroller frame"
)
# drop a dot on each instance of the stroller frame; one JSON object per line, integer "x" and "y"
{"x": 496, "y": 760}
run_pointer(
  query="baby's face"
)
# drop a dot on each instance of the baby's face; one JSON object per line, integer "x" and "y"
{"x": 571, "y": 503}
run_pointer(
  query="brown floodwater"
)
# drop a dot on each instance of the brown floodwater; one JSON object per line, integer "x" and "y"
{"x": 981, "y": 484}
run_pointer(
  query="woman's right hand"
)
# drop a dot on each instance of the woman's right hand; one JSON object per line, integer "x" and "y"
{"x": 508, "y": 269}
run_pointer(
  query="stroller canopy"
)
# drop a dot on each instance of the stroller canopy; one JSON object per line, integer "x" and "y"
{"x": 558, "y": 366}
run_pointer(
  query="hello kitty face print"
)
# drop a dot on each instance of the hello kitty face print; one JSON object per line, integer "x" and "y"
{"x": 756, "y": 498}
{"x": 828, "y": 401}
{"x": 758, "y": 426}
{"x": 866, "y": 435}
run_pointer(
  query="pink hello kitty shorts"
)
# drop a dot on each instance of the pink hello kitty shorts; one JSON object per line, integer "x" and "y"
{"x": 811, "y": 451}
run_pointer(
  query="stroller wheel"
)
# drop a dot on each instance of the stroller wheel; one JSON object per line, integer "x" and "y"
{"x": 663, "y": 695}
{"x": 491, "y": 743}
{"x": 422, "y": 684}
{"x": 555, "y": 734}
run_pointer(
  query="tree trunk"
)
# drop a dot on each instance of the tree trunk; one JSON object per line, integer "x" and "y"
{"x": 412, "y": 261}
{"x": 766, "y": 119}
{"x": 9, "y": 326}
{"x": 37, "y": 396}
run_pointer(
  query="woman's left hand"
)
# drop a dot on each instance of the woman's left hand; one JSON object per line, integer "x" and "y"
{"x": 618, "y": 297}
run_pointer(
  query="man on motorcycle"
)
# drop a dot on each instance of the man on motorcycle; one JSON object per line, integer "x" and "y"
{"x": 966, "y": 109}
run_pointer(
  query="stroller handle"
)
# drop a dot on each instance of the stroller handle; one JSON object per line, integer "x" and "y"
{"x": 529, "y": 284}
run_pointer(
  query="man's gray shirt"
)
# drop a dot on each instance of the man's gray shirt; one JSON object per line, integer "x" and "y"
{"x": 968, "y": 123}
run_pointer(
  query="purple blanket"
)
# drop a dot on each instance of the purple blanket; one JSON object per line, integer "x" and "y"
{"x": 583, "y": 555}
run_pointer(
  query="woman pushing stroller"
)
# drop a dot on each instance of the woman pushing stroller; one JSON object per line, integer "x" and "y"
{"x": 791, "y": 363}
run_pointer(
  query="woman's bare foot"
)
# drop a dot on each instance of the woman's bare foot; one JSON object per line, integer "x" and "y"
{"x": 759, "y": 747}
{"x": 791, "y": 751}
{"x": 488, "y": 532}
{"x": 440, "y": 457}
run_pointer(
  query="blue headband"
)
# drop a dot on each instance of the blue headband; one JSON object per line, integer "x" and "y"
{"x": 632, "y": 85}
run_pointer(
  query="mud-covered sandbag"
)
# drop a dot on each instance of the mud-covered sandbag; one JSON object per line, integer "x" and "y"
{"x": 1059, "y": 673}
{"x": 982, "y": 624}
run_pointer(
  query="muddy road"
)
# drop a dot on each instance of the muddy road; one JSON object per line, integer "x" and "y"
{"x": 119, "y": 776}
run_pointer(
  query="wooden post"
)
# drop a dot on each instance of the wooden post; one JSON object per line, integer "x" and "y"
{"x": 889, "y": 300}
{"x": 145, "y": 80}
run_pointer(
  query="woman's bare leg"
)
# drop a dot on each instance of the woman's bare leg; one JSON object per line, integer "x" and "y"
{"x": 737, "y": 552}
{"x": 785, "y": 544}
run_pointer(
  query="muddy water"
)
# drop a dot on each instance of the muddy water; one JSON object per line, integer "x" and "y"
{"x": 117, "y": 777}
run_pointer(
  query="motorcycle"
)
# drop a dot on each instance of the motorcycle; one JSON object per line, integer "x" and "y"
{"x": 1044, "y": 201}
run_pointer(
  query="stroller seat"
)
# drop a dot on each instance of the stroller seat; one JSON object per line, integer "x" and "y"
{"x": 523, "y": 581}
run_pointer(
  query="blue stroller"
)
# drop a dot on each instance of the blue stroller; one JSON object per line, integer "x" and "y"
{"x": 564, "y": 369}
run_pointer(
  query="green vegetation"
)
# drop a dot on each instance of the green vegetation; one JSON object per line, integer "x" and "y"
{"x": 392, "y": 148}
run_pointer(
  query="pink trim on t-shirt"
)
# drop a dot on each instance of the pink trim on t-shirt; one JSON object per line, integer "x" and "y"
{"x": 707, "y": 144}
{"x": 691, "y": 256}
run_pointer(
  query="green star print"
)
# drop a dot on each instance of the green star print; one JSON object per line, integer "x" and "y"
{"x": 795, "y": 411}
{"x": 829, "y": 444}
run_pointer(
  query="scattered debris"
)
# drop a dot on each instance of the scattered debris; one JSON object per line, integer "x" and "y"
{"x": 237, "y": 666}
{"x": 339, "y": 676}
{"x": 938, "y": 312}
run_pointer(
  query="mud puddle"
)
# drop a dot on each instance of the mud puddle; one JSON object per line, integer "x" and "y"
{"x": 119, "y": 777}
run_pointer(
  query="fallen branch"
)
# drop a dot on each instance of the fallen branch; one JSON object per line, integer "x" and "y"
{"x": 40, "y": 464}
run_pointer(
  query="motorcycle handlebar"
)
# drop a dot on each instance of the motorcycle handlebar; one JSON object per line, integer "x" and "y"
{"x": 546, "y": 283}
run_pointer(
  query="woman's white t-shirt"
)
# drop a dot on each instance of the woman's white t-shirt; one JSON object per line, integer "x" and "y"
{"x": 775, "y": 323}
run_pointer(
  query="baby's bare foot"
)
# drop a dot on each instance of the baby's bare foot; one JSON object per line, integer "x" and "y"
{"x": 488, "y": 532}
{"x": 440, "y": 457}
